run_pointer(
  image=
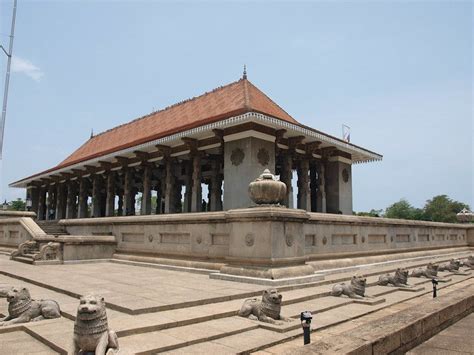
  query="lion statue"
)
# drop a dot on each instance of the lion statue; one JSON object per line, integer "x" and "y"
{"x": 267, "y": 310}
{"x": 356, "y": 289}
{"x": 400, "y": 279}
{"x": 22, "y": 309}
{"x": 430, "y": 272}
{"x": 91, "y": 330}
{"x": 469, "y": 262}
{"x": 453, "y": 265}
{"x": 4, "y": 289}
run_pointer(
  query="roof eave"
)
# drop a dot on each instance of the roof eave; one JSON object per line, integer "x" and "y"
{"x": 365, "y": 155}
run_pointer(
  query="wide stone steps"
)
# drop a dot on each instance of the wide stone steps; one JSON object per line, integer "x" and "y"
{"x": 52, "y": 227}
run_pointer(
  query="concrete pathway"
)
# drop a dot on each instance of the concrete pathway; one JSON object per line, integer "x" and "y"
{"x": 456, "y": 339}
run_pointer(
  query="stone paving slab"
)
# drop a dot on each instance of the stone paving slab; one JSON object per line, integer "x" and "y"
{"x": 169, "y": 324}
{"x": 456, "y": 339}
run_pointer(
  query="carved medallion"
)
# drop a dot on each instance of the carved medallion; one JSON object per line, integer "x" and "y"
{"x": 345, "y": 175}
{"x": 150, "y": 238}
{"x": 199, "y": 239}
{"x": 237, "y": 156}
{"x": 289, "y": 240}
{"x": 249, "y": 239}
{"x": 325, "y": 240}
{"x": 263, "y": 157}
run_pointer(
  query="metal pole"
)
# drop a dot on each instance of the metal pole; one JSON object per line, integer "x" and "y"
{"x": 7, "y": 79}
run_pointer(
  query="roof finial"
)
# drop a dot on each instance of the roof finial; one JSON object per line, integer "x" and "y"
{"x": 245, "y": 72}
{"x": 92, "y": 133}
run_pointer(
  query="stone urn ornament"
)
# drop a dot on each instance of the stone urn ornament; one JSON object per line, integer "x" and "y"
{"x": 267, "y": 190}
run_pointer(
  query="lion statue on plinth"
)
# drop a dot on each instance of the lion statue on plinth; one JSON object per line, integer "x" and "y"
{"x": 22, "y": 309}
{"x": 266, "y": 310}
{"x": 453, "y": 265}
{"x": 356, "y": 289}
{"x": 399, "y": 279}
{"x": 430, "y": 272}
{"x": 91, "y": 330}
{"x": 469, "y": 262}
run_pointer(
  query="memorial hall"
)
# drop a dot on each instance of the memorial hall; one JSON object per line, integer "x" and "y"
{"x": 217, "y": 142}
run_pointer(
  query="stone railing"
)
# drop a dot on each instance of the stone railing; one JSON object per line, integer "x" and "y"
{"x": 16, "y": 230}
{"x": 10, "y": 214}
{"x": 272, "y": 240}
{"x": 328, "y": 234}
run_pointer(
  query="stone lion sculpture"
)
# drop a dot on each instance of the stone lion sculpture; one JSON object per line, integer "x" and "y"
{"x": 399, "y": 279}
{"x": 469, "y": 262}
{"x": 91, "y": 330}
{"x": 22, "y": 309}
{"x": 266, "y": 310}
{"x": 453, "y": 265}
{"x": 430, "y": 272}
{"x": 356, "y": 289}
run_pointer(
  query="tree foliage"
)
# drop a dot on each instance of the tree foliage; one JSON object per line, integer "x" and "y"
{"x": 17, "y": 205}
{"x": 403, "y": 210}
{"x": 442, "y": 209}
{"x": 439, "y": 209}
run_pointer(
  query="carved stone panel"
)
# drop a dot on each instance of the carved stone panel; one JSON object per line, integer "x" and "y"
{"x": 237, "y": 156}
{"x": 263, "y": 157}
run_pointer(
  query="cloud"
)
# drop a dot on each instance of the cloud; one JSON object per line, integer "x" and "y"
{"x": 20, "y": 65}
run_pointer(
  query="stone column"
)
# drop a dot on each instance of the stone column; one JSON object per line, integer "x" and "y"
{"x": 60, "y": 200}
{"x": 110, "y": 193}
{"x": 34, "y": 195}
{"x": 71, "y": 200}
{"x": 41, "y": 203}
{"x": 146, "y": 196}
{"x": 169, "y": 189}
{"x": 313, "y": 187}
{"x": 127, "y": 192}
{"x": 50, "y": 203}
{"x": 215, "y": 199}
{"x": 304, "y": 196}
{"x": 338, "y": 186}
{"x": 286, "y": 177}
{"x": 95, "y": 209}
{"x": 82, "y": 198}
{"x": 321, "y": 201}
{"x": 133, "y": 201}
{"x": 196, "y": 195}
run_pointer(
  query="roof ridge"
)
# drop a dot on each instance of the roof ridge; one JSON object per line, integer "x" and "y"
{"x": 170, "y": 107}
{"x": 269, "y": 98}
{"x": 246, "y": 94}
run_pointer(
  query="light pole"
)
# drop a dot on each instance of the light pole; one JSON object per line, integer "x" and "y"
{"x": 7, "y": 78}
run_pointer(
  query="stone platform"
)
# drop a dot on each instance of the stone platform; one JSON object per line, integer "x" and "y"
{"x": 157, "y": 310}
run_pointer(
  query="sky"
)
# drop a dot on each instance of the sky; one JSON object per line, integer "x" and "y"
{"x": 399, "y": 73}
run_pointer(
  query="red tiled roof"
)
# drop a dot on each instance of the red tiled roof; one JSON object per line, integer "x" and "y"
{"x": 224, "y": 102}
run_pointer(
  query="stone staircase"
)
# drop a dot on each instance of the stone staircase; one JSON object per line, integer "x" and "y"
{"x": 52, "y": 227}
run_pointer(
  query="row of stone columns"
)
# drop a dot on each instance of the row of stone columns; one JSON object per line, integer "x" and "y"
{"x": 311, "y": 183}
{"x": 69, "y": 199}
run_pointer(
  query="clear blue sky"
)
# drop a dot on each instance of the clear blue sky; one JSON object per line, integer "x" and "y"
{"x": 399, "y": 73}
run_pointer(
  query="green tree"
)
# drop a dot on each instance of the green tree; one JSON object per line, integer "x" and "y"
{"x": 403, "y": 210}
{"x": 17, "y": 205}
{"x": 442, "y": 209}
{"x": 371, "y": 213}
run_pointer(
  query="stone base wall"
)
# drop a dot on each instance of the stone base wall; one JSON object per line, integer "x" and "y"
{"x": 270, "y": 239}
{"x": 16, "y": 230}
{"x": 329, "y": 236}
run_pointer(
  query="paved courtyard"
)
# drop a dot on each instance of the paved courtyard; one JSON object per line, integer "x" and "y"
{"x": 457, "y": 339}
{"x": 155, "y": 310}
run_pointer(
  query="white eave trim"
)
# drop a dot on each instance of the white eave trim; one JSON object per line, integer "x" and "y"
{"x": 359, "y": 155}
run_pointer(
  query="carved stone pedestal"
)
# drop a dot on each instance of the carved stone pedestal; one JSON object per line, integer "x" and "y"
{"x": 267, "y": 247}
